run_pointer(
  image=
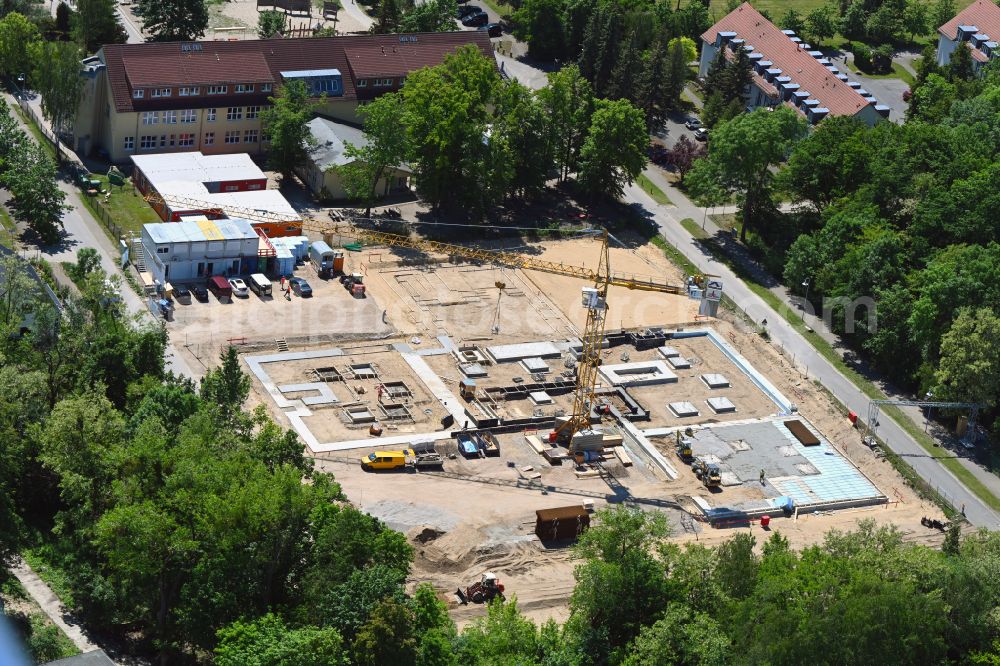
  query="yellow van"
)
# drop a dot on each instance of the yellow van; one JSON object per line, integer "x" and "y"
{"x": 386, "y": 460}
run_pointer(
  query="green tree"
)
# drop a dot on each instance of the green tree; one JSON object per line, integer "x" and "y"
{"x": 387, "y": 17}
{"x": 502, "y": 636}
{"x": 521, "y": 153}
{"x": 96, "y": 24}
{"x": 822, "y": 23}
{"x": 226, "y": 387}
{"x": 970, "y": 358}
{"x": 614, "y": 153}
{"x": 793, "y": 21}
{"x": 540, "y": 24}
{"x": 87, "y": 261}
{"x": 430, "y": 16}
{"x": 960, "y": 67}
{"x": 387, "y": 146}
{"x": 268, "y": 641}
{"x": 620, "y": 584}
{"x": 448, "y": 113}
{"x": 830, "y": 163}
{"x": 681, "y": 636}
{"x": 56, "y": 76}
{"x": 568, "y": 100}
{"x": 387, "y": 637}
{"x": 741, "y": 157}
{"x": 915, "y": 18}
{"x": 285, "y": 124}
{"x": 941, "y": 12}
{"x": 932, "y": 101}
{"x": 174, "y": 20}
{"x": 38, "y": 201}
{"x": 270, "y": 23}
{"x": 17, "y": 34}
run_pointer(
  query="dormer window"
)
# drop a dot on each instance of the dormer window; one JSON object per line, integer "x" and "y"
{"x": 139, "y": 93}
{"x": 188, "y": 92}
{"x": 244, "y": 87}
{"x": 161, "y": 92}
{"x": 265, "y": 87}
{"x": 362, "y": 83}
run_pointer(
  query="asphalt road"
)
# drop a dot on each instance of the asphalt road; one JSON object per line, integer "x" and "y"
{"x": 781, "y": 333}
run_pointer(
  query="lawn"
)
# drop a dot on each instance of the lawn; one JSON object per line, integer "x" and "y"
{"x": 777, "y": 8}
{"x": 897, "y": 73}
{"x": 129, "y": 210}
{"x": 648, "y": 186}
{"x": 694, "y": 228}
{"x": 7, "y": 229}
{"x": 501, "y": 8}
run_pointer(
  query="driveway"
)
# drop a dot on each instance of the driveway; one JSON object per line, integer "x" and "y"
{"x": 888, "y": 92}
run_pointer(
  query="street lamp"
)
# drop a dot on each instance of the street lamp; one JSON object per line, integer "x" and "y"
{"x": 927, "y": 412}
{"x": 805, "y": 299}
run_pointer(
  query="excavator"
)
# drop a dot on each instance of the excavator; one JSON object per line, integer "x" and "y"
{"x": 684, "y": 445}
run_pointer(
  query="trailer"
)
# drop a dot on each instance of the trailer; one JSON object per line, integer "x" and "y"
{"x": 561, "y": 524}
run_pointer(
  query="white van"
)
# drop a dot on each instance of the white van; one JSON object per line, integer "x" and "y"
{"x": 260, "y": 285}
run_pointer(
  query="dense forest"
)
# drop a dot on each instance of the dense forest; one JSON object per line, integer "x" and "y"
{"x": 187, "y": 528}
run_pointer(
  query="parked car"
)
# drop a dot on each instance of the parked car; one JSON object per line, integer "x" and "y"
{"x": 182, "y": 295}
{"x": 476, "y": 20}
{"x": 301, "y": 287}
{"x": 692, "y": 123}
{"x": 219, "y": 286}
{"x": 701, "y": 134}
{"x": 239, "y": 287}
{"x": 492, "y": 29}
{"x": 468, "y": 10}
{"x": 200, "y": 293}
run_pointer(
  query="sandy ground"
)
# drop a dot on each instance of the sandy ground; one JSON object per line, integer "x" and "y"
{"x": 479, "y": 515}
{"x": 626, "y": 308}
{"x": 244, "y": 13}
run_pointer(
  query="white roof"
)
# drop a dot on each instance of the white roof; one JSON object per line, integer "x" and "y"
{"x": 264, "y": 201}
{"x": 199, "y": 231}
{"x": 331, "y": 143}
{"x": 194, "y": 167}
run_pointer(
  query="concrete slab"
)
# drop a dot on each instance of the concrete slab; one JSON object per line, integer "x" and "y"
{"x": 721, "y": 405}
{"x": 473, "y": 370}
{"x": 715, "y": 381}
{"x": 516, "y": 352}
{"x": 540, "y": 398}
{"x": 679, "y": 362}
{"x": 667, "y": 352}
{"x": 643, "y": 373}
{"x": 683, "y": 409}
{"x": 534, "y": 364}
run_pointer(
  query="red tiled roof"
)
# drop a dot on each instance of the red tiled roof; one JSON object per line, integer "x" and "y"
{"x": 977, "y": 54}
{"x": 812, "y": 77}
{"x": 982, "y": 13}
{"x": 197, "y": 68}
{"x": 154, "y": 64}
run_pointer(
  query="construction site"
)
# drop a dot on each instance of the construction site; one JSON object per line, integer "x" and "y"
{"x": 559, "y": 383}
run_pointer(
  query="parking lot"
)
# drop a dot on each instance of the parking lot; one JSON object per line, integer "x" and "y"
{"x": 202, "y": 328}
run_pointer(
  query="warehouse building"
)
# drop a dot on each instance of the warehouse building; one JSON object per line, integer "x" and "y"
{"x": 179, "y": 251}
{"x": 191, "y": 184}
{"x": 330, "y": 152}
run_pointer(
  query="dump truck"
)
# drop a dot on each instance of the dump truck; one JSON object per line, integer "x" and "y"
{"x": 388, "y": 460}
{"x": 484, "y": 591}
{"x": 707, "y": 473}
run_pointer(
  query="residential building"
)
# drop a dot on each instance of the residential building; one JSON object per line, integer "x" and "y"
{"x": 320, "y": 172}
{"x": 208, "y": 96}
{"x": 787, "y": 70}
{"x": 180, "y": 251}
{"x": 978, "y": 27}
{"x": 192, "y": 184}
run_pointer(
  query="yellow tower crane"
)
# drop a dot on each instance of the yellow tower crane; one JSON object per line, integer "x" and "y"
{"x": 594, "y": 298}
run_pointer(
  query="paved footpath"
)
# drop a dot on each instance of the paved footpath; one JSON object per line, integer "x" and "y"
{"x": 51, "y": 606}
{"x": 782, "y": 333}
{"x": 82, "y": 230}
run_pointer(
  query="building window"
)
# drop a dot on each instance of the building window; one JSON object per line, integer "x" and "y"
{"x": 147, "y": 142}
{"x": 173, "y": 140}
{"x": 233, "y": 136}
{"x": 163, "y": 141}
{"x": 210, "y": 115}
{"x": 149, "y": 118}
{"x": 383, "y": 83}
{"x": 138, "y": 94}
{"x": 170, "y": 117}
{"x": 161, "y": 92}
{"x": 209, "y": 138}
{"x": 217, "y": 90}
{"x": 130, "y": 143}
{"x": 189, "y": 116}
{"x": 186, "y": 140}
{"x": 234, "y": 113}
{"x": 362, "y": 83}
{"x": 244, "y": 87}
{"x": 250, "y": 136}
{"x": 253, "y": 112}
{"x": 265, "y": 87}
{"x": 253, "y": 186}
{"x": 189, "y": 92}
{"x": 232, "y": 188}
{"x": 163, "y": 250}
